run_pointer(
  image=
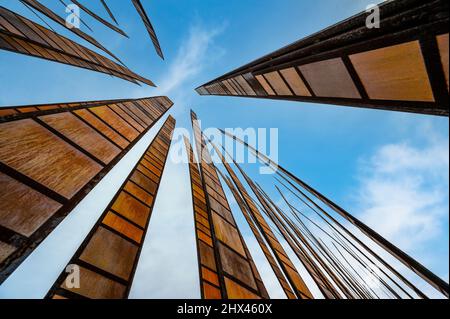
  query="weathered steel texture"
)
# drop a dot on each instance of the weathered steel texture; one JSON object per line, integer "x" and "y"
{"x": 69, "y": 148}
{"x": 208, "y": 260}
{"x": 407, "y": 260}
{"x": 109, "y": 255}
{"x": 112, "y": 248}
{"x": 151, "y": 31}
{"x": 236, "y": 270}
{"x": 20, "y": 35}
{"x": 401, "y": 66}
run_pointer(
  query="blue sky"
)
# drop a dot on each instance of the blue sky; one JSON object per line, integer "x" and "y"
{"x": 390, "y": 169}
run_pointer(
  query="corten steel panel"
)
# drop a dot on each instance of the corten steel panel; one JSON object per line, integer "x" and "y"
{"x": 236, "y": 291}
{"x": 407, "y": 260}
{"x": 21, "y": 35}
{"x": 127, "y": 117}
{"x": 5, "y": 250}
{"x": 109, "y": 116}
{"x": 209, "y": 249}
{"x": 221, "y": 245}
{"x": 122, "y": 226}
{"x": 394, "y": 73}
{"x": 297, "y": 283}
{"x": 243, "y": 83}
{"x": 151, "y": 31}
{"x": 95, "y": 286}
{"x": 230, "y": 88}
{"x": 401, "y": 66}
{"x": 23, "y": 209}
{"x": 82, "y": 134}
{"x": 273, "y": 263}
{"x": 277, "y": 83}
{"x": 35, "y": 4}
{"x": 295, "y": 82}
{"x": 50, "y": 157}
{"x": 330, "y": 78}
{"x": 262, "y": 80}
{"x": 102, "y": 127}
{"x": 210, "y": 286}
{"x": 110, "y": 253}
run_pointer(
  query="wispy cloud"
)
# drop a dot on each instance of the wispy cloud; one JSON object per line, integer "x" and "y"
{"x": 195, "y": 53}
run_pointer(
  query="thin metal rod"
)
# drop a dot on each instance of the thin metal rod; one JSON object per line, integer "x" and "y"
{"x": 342, "y": 227}
{"x": 105, "y": 5}
{"x": 100, "y": 19}
{"x": 411, "y": 263}
{"x": 331, "y": 274}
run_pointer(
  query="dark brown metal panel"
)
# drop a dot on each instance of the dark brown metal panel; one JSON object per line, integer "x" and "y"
{"x": 400, "y": 66}
{"x": 235, "y": 270}
{"x": 26, "y": 37}
{"x": 67, "y": 153}
{"x": 140, "y": 9}
{"x": 110, "y": 253}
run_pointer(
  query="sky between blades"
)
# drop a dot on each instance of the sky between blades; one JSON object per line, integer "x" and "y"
{"x": 389, "y": 169}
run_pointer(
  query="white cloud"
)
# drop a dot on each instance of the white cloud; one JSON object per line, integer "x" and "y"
{"x": 404, "y": 187}
{"x": 197, "y": 52}
{"x": 194, "y": 54}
